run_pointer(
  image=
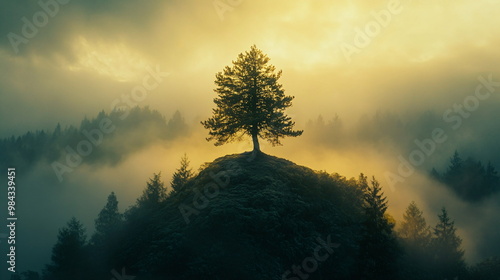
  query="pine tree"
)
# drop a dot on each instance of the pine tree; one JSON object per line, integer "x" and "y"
{"x": 448, "y": 256}
{"x": 69, "y": 253}
{"x": 416, "y": 239}
{"x": 105, "y": 241}
{"x": 378, "y": 246}
{"x": 181, "y": 175}
{"x": 414, "y": 228}
{"x": 154, "y": 193}
{"x": 455, "y": 169}
{"x": 250, "y": 102}
{"x": 108, "y": 221}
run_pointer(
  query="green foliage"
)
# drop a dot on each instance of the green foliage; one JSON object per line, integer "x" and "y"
{"x": 69, "y": 257}
{"x": 470, "y": 179}
{"x": 250, "y": 102}
{"x": 182, "y": 175}
{"x": 416, "y": 237}
{"x": 108, "y": 221}
{"x": 447, "y": 254}
{"x": 378, "y": 245}
{"x": 154, "y": 193}
{"x": 258, "y": 219}
{"x": 414, "y": 229}
{"x": 104, "y": 243}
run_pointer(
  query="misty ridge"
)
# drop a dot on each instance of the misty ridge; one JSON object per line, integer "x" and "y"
{"x": 138, "y": 128}
{"x": 127, "y": 131}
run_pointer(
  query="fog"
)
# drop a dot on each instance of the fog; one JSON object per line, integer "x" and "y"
{"x": 396, "y": 89}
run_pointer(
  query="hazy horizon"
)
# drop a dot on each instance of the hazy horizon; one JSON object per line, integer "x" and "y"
{"x": 369, "y": 79}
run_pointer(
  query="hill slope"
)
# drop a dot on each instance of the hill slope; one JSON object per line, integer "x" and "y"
{"x": 249, "y": 219}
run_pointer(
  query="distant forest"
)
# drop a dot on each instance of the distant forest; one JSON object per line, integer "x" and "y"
{"x": 131, "y": 131}
{"x": 470, "y": 179}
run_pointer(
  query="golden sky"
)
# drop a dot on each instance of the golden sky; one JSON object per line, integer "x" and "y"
{"x": 345, "y": 57}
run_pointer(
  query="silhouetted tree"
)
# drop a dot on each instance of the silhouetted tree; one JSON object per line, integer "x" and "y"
{"x": 104, "y": 242}
{"x": 414, "y": 228}
{"x": 416, "y": 238}
{"x": 181, "y": 175}
{"x": 108, "y": 221}
{"x": 378, "y": 245}
{"x": 447, "y": 254}
{"x": 69, "y": 253}
{"x": 454, "y": 169}
{"x": 154, "y": 193}
{"x": 469, "y": 179}
{"x": 250, "y": 102}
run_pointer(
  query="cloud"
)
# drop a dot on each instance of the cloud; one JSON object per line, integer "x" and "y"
{"x": 426, "y": 59}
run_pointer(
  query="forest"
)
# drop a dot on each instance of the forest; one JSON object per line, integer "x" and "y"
{"x": 263, "y": 218}
{"x": 132, "y": 130}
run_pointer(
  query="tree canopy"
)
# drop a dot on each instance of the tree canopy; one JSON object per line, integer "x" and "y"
{"x": 250, "y": 102}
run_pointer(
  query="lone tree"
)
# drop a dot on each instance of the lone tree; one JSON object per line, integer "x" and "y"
{"x": 250, "y": 102}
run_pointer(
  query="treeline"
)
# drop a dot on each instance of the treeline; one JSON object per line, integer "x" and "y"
{"x": 470, "y": 179}
{"x": 266, "y": 230}
{"x": 382, "y": 129}
{"x": 111, "y": 136}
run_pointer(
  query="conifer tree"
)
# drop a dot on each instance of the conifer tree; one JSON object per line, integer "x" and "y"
{"x": 154, "y": 193}
{"x": 250, "y": 102}
{"x": 181, "y": 175}
{"x": 378, "y": 245}
{"x": 448, "y": 255}
{"x": 416, "y": 239}
{"x": 108, "y": 221}
{"x": 69, "y": 254}
{"x": 414, "y": 228}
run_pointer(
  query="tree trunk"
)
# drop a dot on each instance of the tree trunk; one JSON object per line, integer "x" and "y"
{"x": 256, "y": 145}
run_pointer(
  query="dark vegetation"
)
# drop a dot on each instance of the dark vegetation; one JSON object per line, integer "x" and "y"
{"x": 134, "y": 129}
{"x": 471, "y": 180}
{"x": 250, "y": 101}
{"x": 261, "y": 219}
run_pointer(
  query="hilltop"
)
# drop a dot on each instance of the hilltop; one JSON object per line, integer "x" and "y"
{"x": 244, "y": 217}
{"x": 250, "y": 219}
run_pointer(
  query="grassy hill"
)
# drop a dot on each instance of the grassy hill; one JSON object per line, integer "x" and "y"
{"x": 251, "y": 219}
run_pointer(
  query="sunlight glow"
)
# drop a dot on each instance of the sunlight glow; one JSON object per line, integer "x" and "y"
{"x": 113, "y": 60}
